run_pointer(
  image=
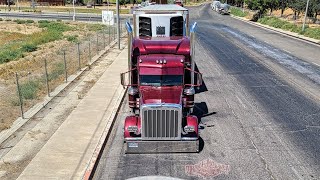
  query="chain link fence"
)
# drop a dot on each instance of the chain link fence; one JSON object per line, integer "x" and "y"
{"x": 24, "y": 89}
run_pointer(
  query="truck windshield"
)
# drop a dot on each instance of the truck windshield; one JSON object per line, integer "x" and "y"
{"x": 161, "y": 80}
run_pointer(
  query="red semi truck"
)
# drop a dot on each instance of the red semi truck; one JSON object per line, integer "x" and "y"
{"x": 161, "y": 81}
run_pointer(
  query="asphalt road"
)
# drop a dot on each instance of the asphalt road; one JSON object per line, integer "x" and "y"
{"x": 259, "y": 106}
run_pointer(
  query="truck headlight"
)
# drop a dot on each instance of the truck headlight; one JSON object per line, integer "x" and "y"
{"x": 188, "y": 129}
{"x": 133, "y": 91}
{"x": 189, "y": 91}
{"x": 133, "y": 129}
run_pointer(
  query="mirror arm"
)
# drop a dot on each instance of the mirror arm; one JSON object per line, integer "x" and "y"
{"x": 129, "y": 70}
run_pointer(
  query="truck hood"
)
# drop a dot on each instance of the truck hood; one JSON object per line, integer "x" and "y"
{"x": 156, "y": 95}
{"x": 163, "y": 45}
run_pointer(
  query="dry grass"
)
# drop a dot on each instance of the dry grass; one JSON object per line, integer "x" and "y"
{"x": 17, "y": 29}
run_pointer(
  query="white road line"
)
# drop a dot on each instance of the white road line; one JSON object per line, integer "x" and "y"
{"x": 241, "y": 102}
{"x": 315, "y": 64}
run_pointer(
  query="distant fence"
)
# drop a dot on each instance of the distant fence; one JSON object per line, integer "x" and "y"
{"x": 41, "y": 2}
{"x": 51, "y": 2}
{"x": 27, "y": 88}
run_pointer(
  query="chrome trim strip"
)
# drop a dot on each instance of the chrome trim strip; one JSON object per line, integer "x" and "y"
{"x": 182, "y": 139}
{"x": 189, "y": 138}
{"x": 169, "y": 105}
{"x": 133, "y": 139}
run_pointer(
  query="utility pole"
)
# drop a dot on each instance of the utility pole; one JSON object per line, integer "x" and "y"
{"x": 74, "y": 11}
{"x": 118, "y": 23}
{"x": 305, "y": 16}
{"x": 18, "y": 5}
{"x": 33, "y": 5}
{"x": 243, "y": 6}
{"x": 9, "y": 8}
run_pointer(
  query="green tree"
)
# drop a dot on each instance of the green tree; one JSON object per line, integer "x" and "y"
{"x": 272, "y": 5}
{"x": 124, "y": 2}
{"x": 283, "y": 5}
{"x": 297, "y": 6}
{"x": 314, "y": 9}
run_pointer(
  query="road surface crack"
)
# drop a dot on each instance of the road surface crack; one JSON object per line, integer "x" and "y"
{"x": 263, "y": 160}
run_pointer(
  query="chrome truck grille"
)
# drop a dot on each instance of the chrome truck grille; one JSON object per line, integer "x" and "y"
{"x": 161, "y": 122}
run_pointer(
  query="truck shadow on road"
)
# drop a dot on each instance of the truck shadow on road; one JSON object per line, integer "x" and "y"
{"x": 201, "y": 110}
{"x": 203, "y": 87}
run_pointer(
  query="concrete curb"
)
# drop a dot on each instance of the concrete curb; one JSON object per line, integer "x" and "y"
{"x": 280, "y": 31}
{"x": 4, "y": 135}
{"x": 92, "y": 165}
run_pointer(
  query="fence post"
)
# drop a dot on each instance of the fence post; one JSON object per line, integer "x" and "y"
{"x": 109, "y": 34}
{"x": 114, "y": 32}
{"x": 89, "y": 50}
{"x": 79, "y": 62}
{"x": 65, "y": 65}
{"x": 46, "y": 74}
{"x": 97, "y": 43}
{"x": 104, "y": 38}
{"x": 20, "y": 97}
{"x": 120, "y": 28}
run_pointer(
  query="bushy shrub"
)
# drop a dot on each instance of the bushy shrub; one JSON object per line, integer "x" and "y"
{"x": 54, "y": 26}
{"x": 238, "y": 12}
{"x": 96, "y": 27}
{"x": 19, "y": 21}
{"x": 29, "y": 89}
{"x": 289, "y": 26}
{"x": 28, "y": 47}
{"x": 29, "y": 21}
{"x": 73, "y": 38}
{"x": 9, "y": 55}
{"x": 282, "y": 24}
{"x": 312, "y": 32}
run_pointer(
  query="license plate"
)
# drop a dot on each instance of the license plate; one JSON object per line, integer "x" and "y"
{"x": 132, "y": 144}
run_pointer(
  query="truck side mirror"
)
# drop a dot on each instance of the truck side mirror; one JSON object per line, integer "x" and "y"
{"x": 122, "y": 78}
{"x": 125, "y": 78}
{"x": 198, "y": 78}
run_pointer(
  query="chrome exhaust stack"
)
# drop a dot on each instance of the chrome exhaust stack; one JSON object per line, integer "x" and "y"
{"x": 192, "y": 49}
{"x": 130, "y": 39}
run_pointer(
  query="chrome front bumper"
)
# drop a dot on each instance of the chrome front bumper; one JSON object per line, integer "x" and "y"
{"x": 141, "y": 147}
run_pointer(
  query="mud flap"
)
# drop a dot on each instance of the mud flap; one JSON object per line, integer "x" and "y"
{"x": 141, "y": 147}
